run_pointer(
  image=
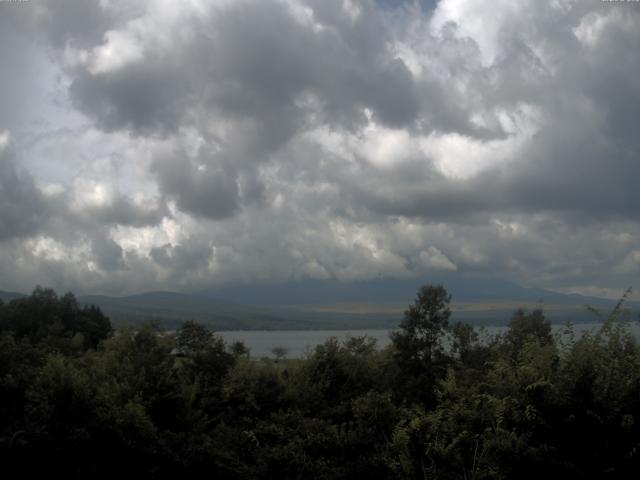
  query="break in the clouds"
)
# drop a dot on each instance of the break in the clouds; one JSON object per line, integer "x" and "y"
{"x": 182, "y": 145}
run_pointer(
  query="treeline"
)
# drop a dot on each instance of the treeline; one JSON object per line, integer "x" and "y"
{"x": 80, "y": 400}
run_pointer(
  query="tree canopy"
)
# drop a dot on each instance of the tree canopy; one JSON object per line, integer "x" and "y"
{"x": 438, "y": 402}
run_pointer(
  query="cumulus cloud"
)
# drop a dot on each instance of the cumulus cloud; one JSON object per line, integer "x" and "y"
{"x": 433, "y": 258}
{"x": 23, "y": 205}
{"x": 216, "y": 142}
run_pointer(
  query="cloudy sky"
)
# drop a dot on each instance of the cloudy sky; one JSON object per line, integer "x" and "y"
{"x": 182, "y": 145}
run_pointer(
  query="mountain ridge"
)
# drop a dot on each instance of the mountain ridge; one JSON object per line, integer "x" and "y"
{"x": 320, "y": 304}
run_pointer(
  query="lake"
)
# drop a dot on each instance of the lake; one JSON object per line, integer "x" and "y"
{"x": 299, "y": 342}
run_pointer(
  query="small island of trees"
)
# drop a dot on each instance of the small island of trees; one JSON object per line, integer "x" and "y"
{"x": 82, "y": 400}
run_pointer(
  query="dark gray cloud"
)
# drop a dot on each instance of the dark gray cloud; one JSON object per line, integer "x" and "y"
{"x": 582, "y": 160}
{"x": 179, "y": 258}
{"x": 108, "y": 255}
{"x": 75, "y": 22}
{"x": 199, "y": 189}
{"x": 255, "y": 67}
{"x": 252, "y": 59}
{"x": 143, "y": 98}
{"x": 327, "y": 139}
{"x": 427, "y": 5}
{"x": 121, "y": 210}
{"x": 22, "y": 207}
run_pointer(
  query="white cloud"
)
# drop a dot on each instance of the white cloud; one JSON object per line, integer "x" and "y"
{"x": 434, "y": 259}
{"x": 119, "y": 49}
{"x": 201, "y": 143}
{"x": 478, "y": 21}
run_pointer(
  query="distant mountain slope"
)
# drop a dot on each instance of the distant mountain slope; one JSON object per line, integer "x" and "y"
{"x": 170, "y": 309}
{"x": 314, "y": 304}
{"x": 462, "y": 289}
{"x": 8, "y": 296}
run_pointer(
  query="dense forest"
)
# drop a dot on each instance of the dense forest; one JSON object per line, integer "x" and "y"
{"x": 82, "y": 400}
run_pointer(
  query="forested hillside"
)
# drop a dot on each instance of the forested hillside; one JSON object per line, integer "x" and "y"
{"x": 82, "y": 400}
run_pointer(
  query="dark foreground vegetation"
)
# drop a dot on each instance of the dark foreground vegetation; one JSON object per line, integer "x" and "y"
{"x": 81, "y": 400}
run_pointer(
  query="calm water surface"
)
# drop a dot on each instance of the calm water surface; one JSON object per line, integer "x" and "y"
{"x": 299, "y": 342}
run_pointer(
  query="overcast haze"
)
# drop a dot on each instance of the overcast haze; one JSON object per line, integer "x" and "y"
{"x": 183, "y": 145}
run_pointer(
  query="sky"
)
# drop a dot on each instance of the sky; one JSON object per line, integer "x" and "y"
{"x": 163, "y": 145}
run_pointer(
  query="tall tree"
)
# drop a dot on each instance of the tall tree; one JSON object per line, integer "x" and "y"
{"x": 418, "y": 349}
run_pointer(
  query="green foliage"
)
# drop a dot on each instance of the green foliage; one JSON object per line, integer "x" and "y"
{"x": 425, "y": 322}
{"x": 526, "y": 327}
{"x": 418, "y": 347}
{"x": 153, "y": 404}
{"x": 56, "y": 322}
{"x": 193, "y": 337}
